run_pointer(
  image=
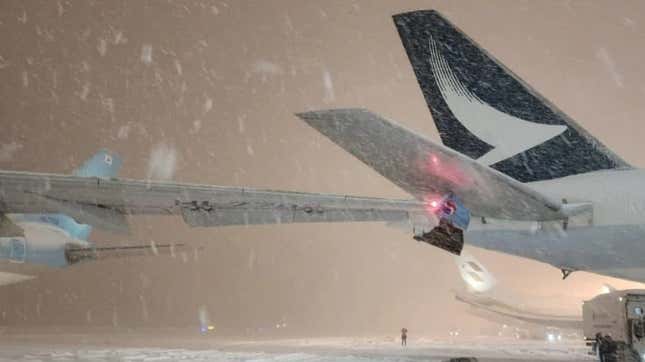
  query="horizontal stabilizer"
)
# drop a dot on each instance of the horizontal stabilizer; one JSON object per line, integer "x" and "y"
{"x": 428, "y": 170}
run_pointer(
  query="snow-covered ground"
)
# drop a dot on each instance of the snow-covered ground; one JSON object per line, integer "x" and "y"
{"x": 312, "y": 350}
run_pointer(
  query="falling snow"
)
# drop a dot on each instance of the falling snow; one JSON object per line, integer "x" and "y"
{"x": 102, "y": 47}
{"x": 206, "y": 92}
{"x": 85, "y": 91}
{"x": 603, "y": 55}
{"x": 266, "y": 69}
{"x": 9, "y": 150}
{"x": 329, "y": 87}
{"x": 208, "y": 104}
{"x": 146, "y": 54}
{"x": 25, "y": 79}
{"x": 196, "y": 127}
{"x": 162, "y": 162}
{"x": 124, "y": 132}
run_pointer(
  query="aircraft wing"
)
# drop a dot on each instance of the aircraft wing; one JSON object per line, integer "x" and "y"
{"x": 429, "y": 170}
{"x": 421, "y": 167}
{"x": 105, "y": 202}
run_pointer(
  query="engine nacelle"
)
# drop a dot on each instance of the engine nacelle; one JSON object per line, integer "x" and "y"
{"x": 454, "y": 218}
{"x": 75, "y": 253}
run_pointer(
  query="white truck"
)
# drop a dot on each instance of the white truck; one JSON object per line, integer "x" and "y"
{"x": 617, "y": 318}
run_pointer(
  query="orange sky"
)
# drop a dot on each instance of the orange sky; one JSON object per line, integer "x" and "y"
{"x": 217, "y": 83}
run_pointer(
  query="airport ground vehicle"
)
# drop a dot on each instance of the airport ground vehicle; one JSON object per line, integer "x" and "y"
{"x": 619, "y": 315}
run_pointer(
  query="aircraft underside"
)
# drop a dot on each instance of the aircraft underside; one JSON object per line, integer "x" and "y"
{"x": 612, "y": 250}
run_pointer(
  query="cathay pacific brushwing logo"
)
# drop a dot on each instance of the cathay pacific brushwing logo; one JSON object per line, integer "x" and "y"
{"x": 508, "y": 135}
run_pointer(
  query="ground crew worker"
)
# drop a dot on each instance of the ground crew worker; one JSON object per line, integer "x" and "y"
{"x": 596, "y": 346}
{"x": 608, "y": 349}
{"x": 404, "y": 336}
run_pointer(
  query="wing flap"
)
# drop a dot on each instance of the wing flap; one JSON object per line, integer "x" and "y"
{"x": 222, "y": 216}
{"x": 427, "y": 170}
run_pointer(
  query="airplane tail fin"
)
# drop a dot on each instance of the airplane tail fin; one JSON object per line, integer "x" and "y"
{"x": 103, "y": 164}
{"x": 486, "y": 112}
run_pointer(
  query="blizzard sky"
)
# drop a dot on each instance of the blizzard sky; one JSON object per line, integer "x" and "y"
{"x": 205, "y": 92}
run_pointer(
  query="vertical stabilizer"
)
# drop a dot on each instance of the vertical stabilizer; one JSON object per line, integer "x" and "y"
{"x": 104, "y": 164}
{"x": 486, "y": 112}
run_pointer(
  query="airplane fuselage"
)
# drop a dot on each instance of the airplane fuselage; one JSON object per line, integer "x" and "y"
{"x": 609, "y": 241}
{"x": 44, "y": 242}
{"x": 618, "y": 196}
